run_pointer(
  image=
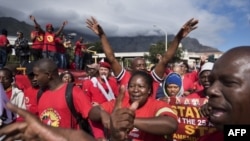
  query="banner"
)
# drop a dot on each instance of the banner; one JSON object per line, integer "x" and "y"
{"x": 191, "y": 124}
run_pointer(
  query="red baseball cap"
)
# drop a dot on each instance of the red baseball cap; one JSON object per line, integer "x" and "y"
{"x": 49, "y": 25}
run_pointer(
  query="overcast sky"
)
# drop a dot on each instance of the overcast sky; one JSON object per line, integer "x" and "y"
{"x": 222, "y": 23}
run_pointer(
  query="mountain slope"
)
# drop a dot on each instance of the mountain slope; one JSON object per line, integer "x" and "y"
{"x": 119, "y": 44}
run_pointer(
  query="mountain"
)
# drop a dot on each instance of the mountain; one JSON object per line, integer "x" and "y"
{"x": 119, "y": 44}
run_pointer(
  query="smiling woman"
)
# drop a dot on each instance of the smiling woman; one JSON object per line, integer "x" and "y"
{"x": 153, "y": 119}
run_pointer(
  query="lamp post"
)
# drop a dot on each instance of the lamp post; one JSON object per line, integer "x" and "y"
{"x": 95, "y": 56}
{"x": 166, "y": 35}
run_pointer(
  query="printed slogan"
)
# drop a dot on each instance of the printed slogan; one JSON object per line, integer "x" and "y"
{"x": 191, "y": 124}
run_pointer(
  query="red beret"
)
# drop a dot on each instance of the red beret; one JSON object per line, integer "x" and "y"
{"x": 105, "y": 64}
{"x": 49, "y": 25}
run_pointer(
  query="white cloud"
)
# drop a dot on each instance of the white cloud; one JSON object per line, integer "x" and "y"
{"x": 133, "y": 17}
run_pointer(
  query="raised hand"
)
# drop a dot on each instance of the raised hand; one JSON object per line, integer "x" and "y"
{"x": 189, "y": 26}
{"x": 94, "y": 26}
{"x": 122, "y": 119}
{"x": 203, "y": 58}
{"x": 65, "y": 23}
{"x": 32, "y": 17}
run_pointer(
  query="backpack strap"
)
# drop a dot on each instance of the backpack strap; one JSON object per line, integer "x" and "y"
{"x": 69, "y": 99}
{"x": 39, "y": 94}
{"x": 83, "y": 122}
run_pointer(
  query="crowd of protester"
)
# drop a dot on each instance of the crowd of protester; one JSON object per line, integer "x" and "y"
{"x": 117, "y": 103}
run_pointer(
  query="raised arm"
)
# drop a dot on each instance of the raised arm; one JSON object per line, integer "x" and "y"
{"x": 35, "y": 22}
{"x": 61, "y": 28}
{"x": 109, "y": 53}
{"x": 189, "y": 26}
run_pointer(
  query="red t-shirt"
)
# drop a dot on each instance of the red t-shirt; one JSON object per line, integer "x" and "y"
{"x": 215, "y": 136}
{"x": 192, "y": 75}
{"x": 95, "y": 94}
{"x": 49, "y": 42}
{"x": 53, "y": 109}
{"x": 86, "y": 83}
{"x": 151, "y": 108}
{"x": 188, "y": 84}
{"x": 22, "y": 81}
{"x": 31, "y": 99}
{"x": 198, "y": 86}
{"x": 3, "y": 41}
{"x": 78, "y": 48}
{"x": 59, "y": 46}
{"x": 39, "y": 40}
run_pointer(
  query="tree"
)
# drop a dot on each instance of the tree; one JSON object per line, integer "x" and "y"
{"x": 158, "y": 49}
{"x": 97, "y": 46}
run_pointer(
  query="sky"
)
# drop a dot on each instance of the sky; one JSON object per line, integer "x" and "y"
{"x": 223, "y": 24}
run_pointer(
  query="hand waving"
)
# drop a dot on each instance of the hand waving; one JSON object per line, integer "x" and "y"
{"x": 65, "y": 23}
{"x": 32, "y": 17}
{"x": 94, "y": 26}
{"x": 189, "y": 26}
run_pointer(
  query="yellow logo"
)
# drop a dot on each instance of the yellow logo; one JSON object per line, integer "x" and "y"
{"x": 50, "y": 117}
{"x": 40, "y": 38}
{"x": 50, "y": 38}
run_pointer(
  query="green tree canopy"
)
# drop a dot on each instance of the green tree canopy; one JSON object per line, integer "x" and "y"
{"x": 159, "y": 49}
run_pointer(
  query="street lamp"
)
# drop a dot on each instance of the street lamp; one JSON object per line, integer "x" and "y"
{"x": 166, "y": 35}
{"x": 94, "y": 53}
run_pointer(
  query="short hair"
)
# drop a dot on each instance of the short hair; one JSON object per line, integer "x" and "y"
{"x": 147, "y": 77}
{"x": 67, "y": 72}
{"x": 47, "y": 65}
{"x": 4, "y": 32}
{"x": 9, "y": 73}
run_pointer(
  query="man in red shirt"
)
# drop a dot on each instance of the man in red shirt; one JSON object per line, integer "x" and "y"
{"x": 92, "y": 71}
{"x": 56, "y": 112}
{"x": 158, "y": 72}
{"x": 30, "y": 93}
{"x": 228, "y": 102}
{"x": 37, "y": 38}
{"x": 49, "y": 46}
{"x": 203, "y": 77}
{"x": 102, "y": 90}
{"x": 61, "y": 52}
{"x": 4, "y": 43}
{"x": 80, "y": 49}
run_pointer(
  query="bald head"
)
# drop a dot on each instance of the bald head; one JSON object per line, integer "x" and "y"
{"x": 47, "y": 65}
{"x": 138, "y": 63}
{"x": 229, "y": 96}
{"x": 237, "y": 57}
